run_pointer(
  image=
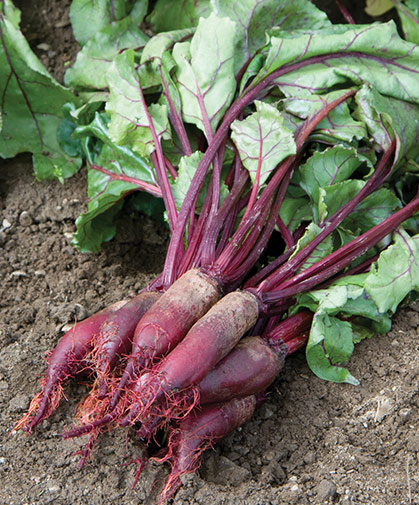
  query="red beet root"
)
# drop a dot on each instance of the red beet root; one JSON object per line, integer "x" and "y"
{"x": 198, "y": 432}
{"x": 208, "y": 341}
{"x": 115, "y": 336}
{"x": 168, "y": 321}
{"x": 65, "y": 361}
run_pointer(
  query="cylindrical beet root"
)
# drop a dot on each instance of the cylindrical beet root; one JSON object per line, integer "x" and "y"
{"x": 168, "y": 321}
{"x": 64, "y": 362}
{"x": 198, "y": 432}
{"x": 250, "y": 367}
{"x": 207, "y": 342}
{"x": 115, "y": 336}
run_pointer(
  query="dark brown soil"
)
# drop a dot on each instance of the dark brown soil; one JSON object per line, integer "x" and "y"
{"x": 312, "y": 442}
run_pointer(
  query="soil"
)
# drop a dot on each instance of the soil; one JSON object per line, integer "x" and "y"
{"x": 311, "y": 442}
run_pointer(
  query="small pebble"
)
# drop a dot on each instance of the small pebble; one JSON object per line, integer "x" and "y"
{"x": 25, "y": 219}
{"x": 6, "y": 224}
{"x": 53, "y": 486}
{"x": 405, "y": 414}
{"x": 19, "y": 403}
{"x": 43, "y": 46}
{"x": 18, "y": 273}
{"x": 326, "y": 489}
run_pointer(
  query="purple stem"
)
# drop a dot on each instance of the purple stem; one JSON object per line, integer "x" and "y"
{"x": 176, "y": 119}
{"x": 247, "y": 96}
{"x": 294, "y": 263}
{"x": 145, "y": 186}
{"x": 336, "y": 261}
{"x": 160, "y": 166}
{"x": 246, "y": 224}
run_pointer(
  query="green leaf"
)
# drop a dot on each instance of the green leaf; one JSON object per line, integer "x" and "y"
{"x": 152, "y": 56}
{"x": 97, "y": 225}
{"x": 95, "y": 60}
{"x": 32, "y": 106}
{"x": 328, "y": 167}
{"x": 253, "y": 19}
{"x": 113, "y": 156}
{"x": 177, "y": 14}
{"x": 344, "y": 55}
{"x": 71, "y": 146}
{"x": 205, "y": 73}
{"x": 387, "y": 119}
{"x": 409, "y": 16}
{"x": 329, "y": 345}
{"x": 147, "y": 204}
{"x": 370, "y": 212}
{"x": 376, "y": 207}
{"x": 119, "y": 172}
{"x": 332, "y": 338}
{"x": 322, "y": 250}
{"x": 10, "y": 12}
{"x": 338, "y": 125}
{"x": 129, "y": 124}
{"x": 378, "y": 7}
{"x": 396, "y": 272}
{"x": 294, "y": 211}
{"x": 90, "y": 16}
{"x": 186, "y": 171}
{"x": 262, "y": 141}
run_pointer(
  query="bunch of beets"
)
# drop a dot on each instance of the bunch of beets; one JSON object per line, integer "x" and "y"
{"x": 194, "y": 353}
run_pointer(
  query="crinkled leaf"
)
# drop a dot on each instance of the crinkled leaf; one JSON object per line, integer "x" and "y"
{"x": 177, "y": 14}
{"x": 32, "y": 107}
{"x": 129, "y": 124}
{"x": 109, "y": 154}
{"x": 90, "y": 16}
{"x": 97, "y": 225}
{"x": 396, "y": 272}
{"x": 371, "y": 211}
{"x": 388, "y": 118}
{"x": 95, "y": 60}
{"x": 328, "y": 167}
{"x": 338, "y": 125}
{"x": 254, "y": 18}
{"x": 331, "y": 339}
{"x": 120, "y": 172}
{"x": 205, "y": 72}
{"x": 262, "y": 141}
{"x": 345, "y": 55}
{"x": 152, "y": 56}
{"x": 322, "y": 250}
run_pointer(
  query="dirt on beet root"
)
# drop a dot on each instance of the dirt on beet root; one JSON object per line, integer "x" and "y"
{"x": 312, "y": 442}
